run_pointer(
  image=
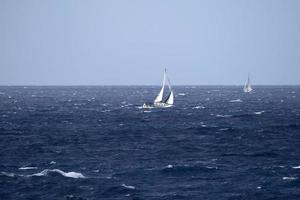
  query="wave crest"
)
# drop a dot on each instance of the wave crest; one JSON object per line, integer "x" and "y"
{"x": 65, "y": 174}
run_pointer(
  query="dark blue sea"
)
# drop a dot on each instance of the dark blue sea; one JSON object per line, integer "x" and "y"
{"x": 79, "y": 143}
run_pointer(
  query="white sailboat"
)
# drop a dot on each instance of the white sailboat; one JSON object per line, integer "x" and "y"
{"x": 247, "y": 86}
{"x": 159, "y": 101}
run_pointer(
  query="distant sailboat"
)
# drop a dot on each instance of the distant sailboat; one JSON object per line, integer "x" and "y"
{"x": 247, "y": 86}
{"x": 159, "y": 101}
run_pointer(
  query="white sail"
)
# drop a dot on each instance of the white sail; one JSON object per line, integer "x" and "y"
{"x": 247, "y": 87}
{"x": 170, "y": 99}
{"x": 160, "y": 95}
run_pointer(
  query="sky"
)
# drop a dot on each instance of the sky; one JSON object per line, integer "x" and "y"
{"x": 130, "y": 42}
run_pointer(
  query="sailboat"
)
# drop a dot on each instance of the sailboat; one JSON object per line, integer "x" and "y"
{"x": 247, "y": 86}
{"x": 159, "y": 101}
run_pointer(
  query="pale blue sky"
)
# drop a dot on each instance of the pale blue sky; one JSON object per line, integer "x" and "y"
{"x": 129, "y": 42}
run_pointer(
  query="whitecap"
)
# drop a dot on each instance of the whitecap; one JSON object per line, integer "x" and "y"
{"x": 224, "y": 116}
{"x": 105, "y": 111}
{"x": 124, "y": 106}
{"x": 146, "y": 107}
{"x": 181, "y": 94}
{"x": 128, "y": 186}
{"x": 290, "y": 178}
{"x": 223, "y": 129}
{"x": 65, "y": 174}
{"x": 147, "y": 111}
{"x": 8, "y": 174}
{"x": 52, "y": 162}
{"x": 198, "y": 107}
{"x": 297, "y": 167}
{"x": 209, "y": 167}
{"x": 27, "y": 168}
{"x": 259, "y": 112}
{"x": 169, "y": 166}
{"x": 235, "y": 100}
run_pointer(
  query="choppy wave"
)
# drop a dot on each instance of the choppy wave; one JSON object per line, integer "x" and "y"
{"x": 65, "y": 174}
{"x": 259, "y": 112}
{"x": 223, "y": 129}
{"x": 169, "y": 166}
{"x": 188, "y": 168}
{"x": 8, "y": 174}
{"x": 223, "y": 116}
{"x": 269, "y": 154}
{"x": 27, "y": 168}
{"x": 198, "y": 107}
{"x": 104, "y": 111}
{"x": 187, "y": 150}
{"x": 235, "y": 101}
{"x": 128, "y": 186}
{"x": 289, "y": 178}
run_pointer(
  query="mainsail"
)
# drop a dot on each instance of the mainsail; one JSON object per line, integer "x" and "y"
{"x": 247, "y": 87}
{"x": 160, "y": 95}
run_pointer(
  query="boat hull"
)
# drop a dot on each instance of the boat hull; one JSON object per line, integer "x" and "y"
{"x": 157, "y": 105}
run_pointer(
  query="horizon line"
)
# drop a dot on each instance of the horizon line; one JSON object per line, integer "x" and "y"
{"x": 118, "y": 85}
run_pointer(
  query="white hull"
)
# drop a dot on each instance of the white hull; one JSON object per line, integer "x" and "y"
{"x": 162, "y": 105}
{"x": 156, "y": 105}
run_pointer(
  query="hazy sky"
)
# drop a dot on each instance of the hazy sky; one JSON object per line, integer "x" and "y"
{"x": 116, "y": 42}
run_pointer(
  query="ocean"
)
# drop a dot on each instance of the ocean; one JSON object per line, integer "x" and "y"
{"x": 96, "y": 142}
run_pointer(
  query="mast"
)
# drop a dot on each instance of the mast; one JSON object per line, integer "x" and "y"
{"x": 248, "y": 81}
{"x": 247, "y": 87}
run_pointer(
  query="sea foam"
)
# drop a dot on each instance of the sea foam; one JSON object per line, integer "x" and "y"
{"x": 65, "y": 174}
{"x": 128, "y": 186}
{"x": 27, "y": 168}
{"x": 235, "y": 100}
{"x": 290, "y": 178}
{"x": 259, "y": 112}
